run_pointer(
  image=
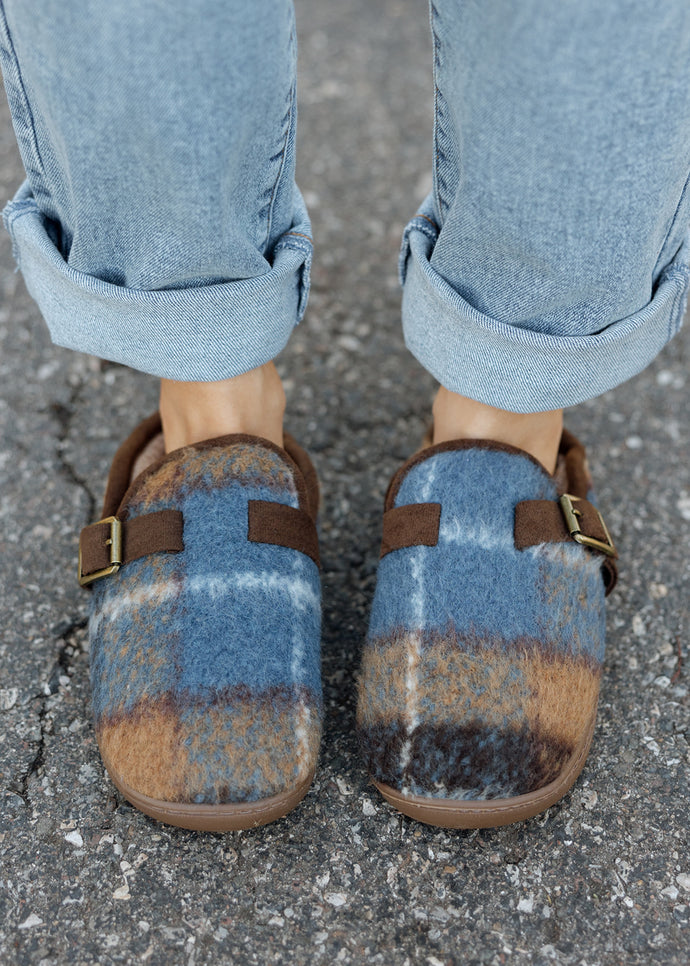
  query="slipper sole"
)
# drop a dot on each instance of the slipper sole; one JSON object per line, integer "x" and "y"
{"x": 213, "y": 818}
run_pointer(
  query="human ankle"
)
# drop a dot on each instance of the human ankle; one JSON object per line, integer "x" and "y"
{"x": 252, "y": 403}
{"x": 457, "y": 417}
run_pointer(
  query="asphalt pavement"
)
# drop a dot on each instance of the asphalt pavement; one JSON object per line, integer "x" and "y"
{"x": 602, "y": 878}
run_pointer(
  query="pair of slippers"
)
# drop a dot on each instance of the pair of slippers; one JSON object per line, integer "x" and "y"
{"x": 480, "y": 674}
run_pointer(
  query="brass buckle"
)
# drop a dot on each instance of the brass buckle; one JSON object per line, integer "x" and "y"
{"x": 115, "y": 544}
{"x": 571, "y": 514}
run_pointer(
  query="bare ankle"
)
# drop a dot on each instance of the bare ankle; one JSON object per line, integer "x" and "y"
{"x": 457, "y": 417}
{"x": 252, "y": 403}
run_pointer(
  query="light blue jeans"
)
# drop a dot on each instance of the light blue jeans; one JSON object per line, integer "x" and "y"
{"x": 160, "y": 225}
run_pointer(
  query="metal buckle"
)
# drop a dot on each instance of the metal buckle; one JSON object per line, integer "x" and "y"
{"x": 571, "y": 514}
{"x": 115, "y": 544}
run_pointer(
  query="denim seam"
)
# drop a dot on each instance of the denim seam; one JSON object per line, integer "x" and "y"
{"x": 433, "y": 14}
{"x": 676, "y": 315}
{"x": 15, "y": 81}
{"x": 295, "y": 240}
{"x": 295, "y": 246}
{"x": 288, "y": 123}
{"x": 676, "y": 274}
{"x": 299, "y": 242}
{"x": 427, "y": 219}
{"x": 12, "y": 212}
{"x": 15, "y": 209}
{"x": 431, "y": 233}
{"x": 682, "y": 198}
{"x": 442, "y": 190}
{"x": 682, "y": 303}
{"x": 423, "y": 224}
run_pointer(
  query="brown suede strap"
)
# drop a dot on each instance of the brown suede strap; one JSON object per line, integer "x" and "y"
{"x": 283, "y": 526}
{"x": 413, "y": 525}
{"x": 542, "y": 521}
{"x": 159, "y": 532}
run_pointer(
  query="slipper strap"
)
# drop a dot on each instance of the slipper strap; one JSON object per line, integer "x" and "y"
{"x": 109, "y": 544}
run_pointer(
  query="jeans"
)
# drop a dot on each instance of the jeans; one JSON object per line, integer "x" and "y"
{"x": 160, "y": 225}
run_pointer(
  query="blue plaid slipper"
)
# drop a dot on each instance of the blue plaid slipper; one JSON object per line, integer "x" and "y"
{"x": 480, "y": 675}
{"x": 205, "y": 629}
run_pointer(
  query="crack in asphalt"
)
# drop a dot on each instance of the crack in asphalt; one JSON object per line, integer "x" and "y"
{"x": 63, "y": 413}
{"x": 68, "y": 634}
{"x": 21, "y": 787}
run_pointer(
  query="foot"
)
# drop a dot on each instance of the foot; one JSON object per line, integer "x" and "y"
{"x": 539, "y": 434}
{"x": 252, "y": 403}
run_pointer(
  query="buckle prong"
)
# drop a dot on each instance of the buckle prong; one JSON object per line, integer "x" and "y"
{"x": 572, "y": 513}
{"x": 114, "y": 541}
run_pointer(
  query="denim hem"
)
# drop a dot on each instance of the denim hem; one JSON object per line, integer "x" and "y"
{"x": 203, "y": 333}
{"x": 523, "y": 370}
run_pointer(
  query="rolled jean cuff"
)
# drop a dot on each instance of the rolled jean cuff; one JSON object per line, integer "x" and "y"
{"x": 523, "y": 370}
{"x": 202, "y": 333}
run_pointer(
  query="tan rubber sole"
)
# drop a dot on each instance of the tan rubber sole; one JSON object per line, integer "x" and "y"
{"x": 214, "y": 818}
{"x": 492, "y": 813}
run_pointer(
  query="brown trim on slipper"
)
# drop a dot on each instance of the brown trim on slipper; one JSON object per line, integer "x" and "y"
{"x": 542, "y": 521}
{"x": 222, "y": 442}
{"x": 120, "y": 475}
{"x": 570, "y": 448}
{"x": 577, "y": 470}
{"x": 159, "y": 532}
{"x": 121, "y": 487}
{"x": 282, "y": 526}
{"x": 609, "y": 572}
{"x": 306, "y": 468}
{"x": 412, "y": 525}
{"x": 451, "y": 446}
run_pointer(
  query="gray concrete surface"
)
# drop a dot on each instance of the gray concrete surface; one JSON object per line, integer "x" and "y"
{"x": 602, "y": 878}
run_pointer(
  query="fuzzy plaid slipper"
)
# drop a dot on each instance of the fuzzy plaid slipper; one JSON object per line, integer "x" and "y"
{"x": 205, "y": 628}
{"x": 480, "y": 675}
